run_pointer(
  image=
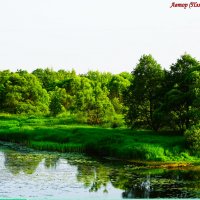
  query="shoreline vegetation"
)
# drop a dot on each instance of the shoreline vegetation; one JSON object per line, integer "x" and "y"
{"x": 61, "y": 134}
{"x": 150, "y": 114}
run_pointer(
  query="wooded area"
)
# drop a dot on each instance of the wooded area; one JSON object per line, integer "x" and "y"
{"x": 149, "y": 97}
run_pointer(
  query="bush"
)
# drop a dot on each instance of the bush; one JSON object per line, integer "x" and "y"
{"x": 192, "y": 136}
{"x": 115, "y": 121}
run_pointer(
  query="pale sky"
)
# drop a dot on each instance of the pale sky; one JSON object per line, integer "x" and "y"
{"x": 104, "y": 35}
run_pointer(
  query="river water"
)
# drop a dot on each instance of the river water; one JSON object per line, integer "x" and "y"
{"x": 42, "y": 175}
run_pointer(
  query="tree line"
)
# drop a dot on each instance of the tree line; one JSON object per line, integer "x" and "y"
{"x": 94, "y": 97}
{"x": 148, "y": 97}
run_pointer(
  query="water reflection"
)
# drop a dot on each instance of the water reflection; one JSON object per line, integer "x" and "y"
{"x": 17, "y": 162}
{"x": 141, "y": 183}
{"x": 93, "y": 177}
{"x": 51, "y": 161}
{"x": 72, "y": 173}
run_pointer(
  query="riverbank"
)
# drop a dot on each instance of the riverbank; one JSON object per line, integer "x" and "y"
{"x": 59, "y": 134}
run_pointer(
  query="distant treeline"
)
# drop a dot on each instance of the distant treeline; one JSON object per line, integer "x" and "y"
{"x": 149, "y": 97}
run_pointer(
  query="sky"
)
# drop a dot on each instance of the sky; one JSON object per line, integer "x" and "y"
{"x": 104, "y": 35}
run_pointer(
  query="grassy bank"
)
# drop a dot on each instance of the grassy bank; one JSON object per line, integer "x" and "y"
{"x": 64, "y": 135}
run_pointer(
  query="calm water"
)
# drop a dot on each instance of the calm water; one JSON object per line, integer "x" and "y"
{"x": 71, "y": 176}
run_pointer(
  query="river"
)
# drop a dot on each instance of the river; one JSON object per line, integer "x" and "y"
{"x": 43, "y": 175}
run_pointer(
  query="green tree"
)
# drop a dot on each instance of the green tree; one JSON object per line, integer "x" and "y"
{"x": 101, "y": 110}
{"x": 192, "y": 136}
{"x": 103, "y": 79}
{"x": 118, "y": 85}
{"x": 4, "y": 76}
{"x": 91, "y": 102}
{"x": 47, "y": 77}
{"x": 24, "y": 94}
{"x": 71, "y": 85}
{"x": 55, "y": 104}
{"x": 181, "y": 103}
{"x": 59, "y": 101}
{"x": 142, "y": 98}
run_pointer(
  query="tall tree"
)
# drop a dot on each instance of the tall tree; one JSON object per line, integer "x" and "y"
{"x": 143, "y": 97}
{"x": 183, "y": 94}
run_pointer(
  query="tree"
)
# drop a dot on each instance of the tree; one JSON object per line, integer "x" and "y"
{"x": 23, "y": 93}
{"x": 55, "y": 105}
{"x": 47, "y": 77}
{"x": 101, "y": 108}
{"x": 93, "y": 102}
{"x": 181, "y": 100}
{"x": 4, "y": 76}
{"x": 192, "y": 136}
{"x": 71, "y": 85}
{"x": 118, "y": 85}
{"x": 142, "y": 97}
{"x": 103, "y": 79}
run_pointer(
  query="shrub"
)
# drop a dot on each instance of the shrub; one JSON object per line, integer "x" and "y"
{"x": 81, "y": 117}
{"x": 192, "y": 136}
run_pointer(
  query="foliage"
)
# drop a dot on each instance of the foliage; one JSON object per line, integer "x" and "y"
{"x": 143, "y": 95}
{"x": 192, "y": 138}
{"x": 159, "y": 98}
{"x": 180, "y": 103}
{"x": 22, "y": 93}
{"x": 95, "y": 97}
{"x": 147, "y": 98}
{"x": 57, "y": 101}
{"x": 64, "y": 135}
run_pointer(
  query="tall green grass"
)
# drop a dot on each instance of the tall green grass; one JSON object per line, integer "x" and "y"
{"x": 52, "y": 146}
{"x": 60, "y": 134}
